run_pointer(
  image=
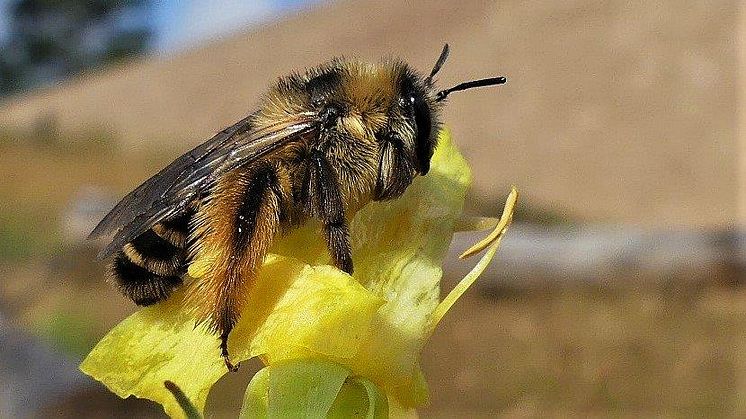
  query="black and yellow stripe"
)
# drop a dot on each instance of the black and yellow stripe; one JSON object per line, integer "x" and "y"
{"x": 151, "y": 266}
{"x": 175, "y": 230}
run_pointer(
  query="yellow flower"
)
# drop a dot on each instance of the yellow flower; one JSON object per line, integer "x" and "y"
{"x": 366, "y": 333}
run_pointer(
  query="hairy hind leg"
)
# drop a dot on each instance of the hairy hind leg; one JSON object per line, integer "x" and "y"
{"x": 238, "y": 223}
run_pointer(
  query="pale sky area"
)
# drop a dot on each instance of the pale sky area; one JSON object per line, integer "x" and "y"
{"x": 183, "y": 24}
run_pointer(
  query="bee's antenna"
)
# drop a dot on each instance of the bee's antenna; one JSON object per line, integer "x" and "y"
{"x": 438, "y": 65}
{"x": 470, "y": 85}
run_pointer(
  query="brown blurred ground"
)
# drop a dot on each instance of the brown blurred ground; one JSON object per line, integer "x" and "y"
{"x": 620, "y": 112}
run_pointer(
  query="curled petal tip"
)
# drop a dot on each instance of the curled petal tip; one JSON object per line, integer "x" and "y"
{"x": 502, "y": 226}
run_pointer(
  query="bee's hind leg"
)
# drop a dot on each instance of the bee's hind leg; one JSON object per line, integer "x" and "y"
{"x": 239, "y": 222}
{"x": 224, "y": 353}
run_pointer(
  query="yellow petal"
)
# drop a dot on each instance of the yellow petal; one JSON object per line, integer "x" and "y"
{"x": 152, "y": 346}
{"x": 323, "y": 312}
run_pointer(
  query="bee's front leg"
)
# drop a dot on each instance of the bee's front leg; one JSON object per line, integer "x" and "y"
{"x": 326, "y": 197}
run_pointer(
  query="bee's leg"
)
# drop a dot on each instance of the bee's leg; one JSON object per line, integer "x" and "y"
{"x": 224, "y": 352}
{"x": 395, "y": 170}
{"x": 327, "y": 198}
{"x": 238, "y": 223}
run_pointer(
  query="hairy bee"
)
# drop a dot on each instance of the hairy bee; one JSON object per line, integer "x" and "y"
{"x": 321, "y": 145}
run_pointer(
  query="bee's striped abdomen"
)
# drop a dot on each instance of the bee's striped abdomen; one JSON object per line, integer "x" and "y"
{"x": 151, "y": 266}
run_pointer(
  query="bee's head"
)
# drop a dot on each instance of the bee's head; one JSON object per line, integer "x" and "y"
{"x": 421, "y": 101}
{"x": 388, "y": 101}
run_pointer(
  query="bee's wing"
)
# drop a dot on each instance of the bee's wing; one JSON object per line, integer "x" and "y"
{"x": 173, "y": 188}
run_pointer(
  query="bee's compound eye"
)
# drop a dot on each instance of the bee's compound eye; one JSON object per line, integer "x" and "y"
{"x": 407, "y": 104}
{"x": 406, "y": 101}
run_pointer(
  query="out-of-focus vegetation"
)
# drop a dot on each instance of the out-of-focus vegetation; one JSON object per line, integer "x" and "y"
{"x": 20, "y": 235}
{"x": 67, "y": 332}
{"x": 49, "y": 40}
{"x": 42, "y": 170}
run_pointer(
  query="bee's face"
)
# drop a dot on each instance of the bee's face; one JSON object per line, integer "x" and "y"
{"x": 369, "y": 102}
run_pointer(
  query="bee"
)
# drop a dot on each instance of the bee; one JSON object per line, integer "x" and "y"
{"x": 320, "y": 146}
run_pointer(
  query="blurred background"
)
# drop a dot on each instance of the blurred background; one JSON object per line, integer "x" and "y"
{"x": 619, "y": 290}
